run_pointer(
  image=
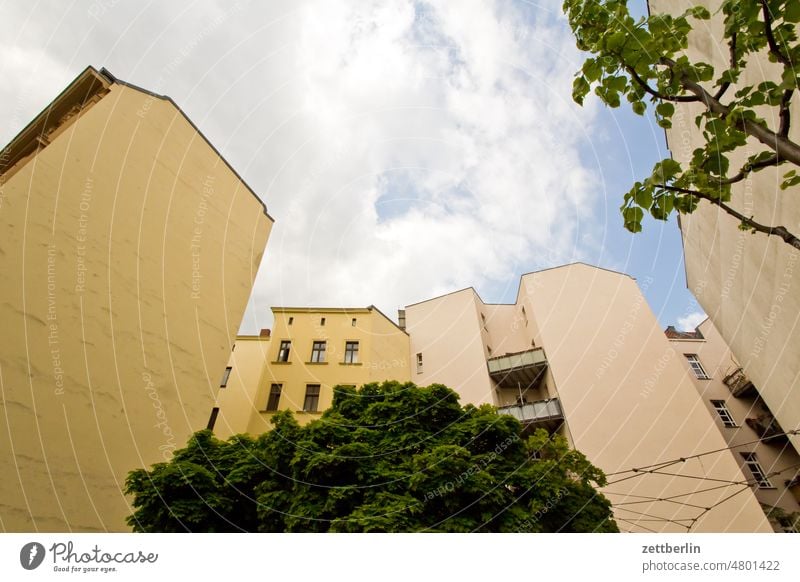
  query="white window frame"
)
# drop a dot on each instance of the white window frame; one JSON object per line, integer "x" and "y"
{"x": 760, "y": 476}
{"x": 697, "y": 367}
{"x": 419, "y": 362}
{"x": 724, "y": 414}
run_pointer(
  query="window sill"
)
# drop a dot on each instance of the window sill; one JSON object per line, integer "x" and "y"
{"x": 308, "y": 412}
{"x": 281, "y": 362}
{"x": 351, "y": 364}
{"x": 316, "y": 363}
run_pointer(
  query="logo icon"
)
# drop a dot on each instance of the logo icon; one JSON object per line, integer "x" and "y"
{"x": 31, "y": 555}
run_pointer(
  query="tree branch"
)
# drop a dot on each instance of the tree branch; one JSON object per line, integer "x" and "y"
{"x": 773, "y": 46}
{"x": 779, "y": 231}
{"x": 781, "y": 145}
{"x": 726, "y": 84}
{"x": 747, "y": 168}
{"x": 643, "y": 84}
{"x": 785, "y": 116}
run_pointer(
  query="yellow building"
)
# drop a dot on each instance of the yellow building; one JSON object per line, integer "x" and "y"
{"x": 296, "y": 365}
{"x": 129, "y": 250}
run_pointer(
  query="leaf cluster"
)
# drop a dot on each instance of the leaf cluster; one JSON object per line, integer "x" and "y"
{"x": 388, "y": 457}
{"x": 643, "y": 61}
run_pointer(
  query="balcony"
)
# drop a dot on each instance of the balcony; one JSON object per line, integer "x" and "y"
{"x": 739, "y": 384}
{"x": 540, "y": 414}
{"x": 518, "y": 370}
{"x": 767, "y": 428}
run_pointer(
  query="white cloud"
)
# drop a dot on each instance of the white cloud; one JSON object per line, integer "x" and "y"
{"x": 691, "y": 321}
{"x": 404, "y": 148}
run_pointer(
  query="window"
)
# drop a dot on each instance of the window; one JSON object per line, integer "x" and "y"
{"x": 283, "y": 351}
{"x": 225, "y": 376}
{"x": 274, "y": 397}
{"x": 311, "y": 403}
{"x": 351, "y": 352}
{"x": 419, "y": 363}
{"x": 318, "y": 352}
{"x": 758, "y": 473}
{"x": 524, "y": 316}
{"x": 353, "y": 322}
{"x": 291, "y": 320}
{"x": 696, "y": 366}
{"x": 724, "y": 413}
{"x": 212, "y": 420}
{"x": 322, "y": 321}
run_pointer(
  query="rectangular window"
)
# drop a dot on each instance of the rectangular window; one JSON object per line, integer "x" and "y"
{"x": 353, "y": 323}
{"x": 213, "y": 418}
{"x": 696, "y": 366}
{"x": 758, "y": 473}
{"x": 724, "y": 413}
{"x": 322, "y": 321}
{"x": 291, "y": 320}
{"x": 318, "y": 351}
{"x": 274, "y": 397}
{"x": 283, "y": 351}
{"x": 311, "y": 403}
{"x": 225, "y": 377}
{"x": 419, "y": 363}
{"x": 351, "y": 352}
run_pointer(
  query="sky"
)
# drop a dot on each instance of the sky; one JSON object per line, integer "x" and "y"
{"x": 405, "y": 149}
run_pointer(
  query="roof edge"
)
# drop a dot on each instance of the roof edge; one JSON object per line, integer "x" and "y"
{"x": 105, "y": 72}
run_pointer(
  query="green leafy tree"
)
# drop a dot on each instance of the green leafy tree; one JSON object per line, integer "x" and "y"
{"x": 643, "y": 61}
{"x": 386, "y": 458}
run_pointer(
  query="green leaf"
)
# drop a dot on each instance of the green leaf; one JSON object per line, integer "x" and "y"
{"x": 639, "y": 107}
{"x": 592, "y": 70}
{"x": 791, "y": 11}
{"x": 700, "y": 13}
{"x": 644, "y": 198}
{"x": 580, "y": 87}
{"x": 632, "y": 217}
{"x": 791, "y": 178}
{"x": 617, "y": 83}
{"x": 615, "y": 40}
{"x": 665, "y": 109}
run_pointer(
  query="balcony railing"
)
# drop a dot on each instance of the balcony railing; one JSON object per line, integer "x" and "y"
{"x": 767, "y": 428}
{"x": 521, "y": 369}
{"x": 546, "y": 413}
{"x": 739, "y": 384}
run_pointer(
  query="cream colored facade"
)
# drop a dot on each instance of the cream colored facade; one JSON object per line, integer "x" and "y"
{"x": 361, "y": 345}
{"x": 745, "y": 422}
{"x": 748, "y": 284}
{"x": 580, "y": 352}
{"x": 129, "y": 251}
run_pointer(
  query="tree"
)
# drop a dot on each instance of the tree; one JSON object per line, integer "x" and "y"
{"x": 643, "y": 61}
{"x": 385, "y": 458}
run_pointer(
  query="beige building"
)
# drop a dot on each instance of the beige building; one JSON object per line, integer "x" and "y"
{"x": 748, "y": 284}
{"x": 296, "y": 365}
{"x": 129, "y": 251}
{"x": 580, "y": 353}
{"x": 757, "y": 440}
